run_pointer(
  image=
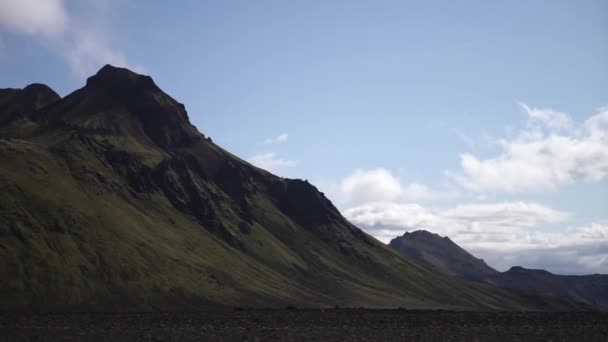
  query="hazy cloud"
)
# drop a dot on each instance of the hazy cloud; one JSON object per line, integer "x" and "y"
{"x": 547, "y": 117}
{"x": 279, "y": 139}
{"x": 47, "y": 18}
{"x": 548, "y": 153}
{"x": 81, "y": 37}
{"x": 466, "y": 139}
{"x": 86, "y": 51}
{"x": 581, "y": 250}
{"x": 271, "y": 162}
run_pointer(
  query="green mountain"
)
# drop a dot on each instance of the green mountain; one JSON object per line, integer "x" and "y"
{"x": 112, "y": 200}
{"x": 444, "y": 255}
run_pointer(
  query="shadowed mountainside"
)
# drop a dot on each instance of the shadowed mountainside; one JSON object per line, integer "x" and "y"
{"x": 444, "y": 255}
{"x": 112, "y": 200}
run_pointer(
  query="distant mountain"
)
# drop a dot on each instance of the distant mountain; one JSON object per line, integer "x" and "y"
{"x": 112, "y": 200}
{"x": 591, "y": 289}
{"x": 444, "y": 255}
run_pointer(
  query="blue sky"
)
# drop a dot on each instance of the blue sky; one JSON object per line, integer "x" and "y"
{"x": 480, "y": 120}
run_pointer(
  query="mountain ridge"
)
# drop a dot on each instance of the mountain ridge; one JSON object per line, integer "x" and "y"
{"x": 448, "y": 258}
{"x": 114, "y": 201}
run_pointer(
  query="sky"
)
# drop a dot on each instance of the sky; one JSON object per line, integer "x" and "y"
{"x": 484, "y": 121}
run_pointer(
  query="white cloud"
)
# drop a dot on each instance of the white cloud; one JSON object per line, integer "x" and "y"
{"x": 279, "y": 139}
{"x": 372, "y": 185}
{"x": 379, "y": 184}
{"x": 47, "y": 18}
{"x": 81, "y": 36}
{"x": 417, "y": 191}
{"x": 493, "y": 221}
{"x": 547, "y": 154}
{"x": 271, "y": 162}
{"x": 504, "y": 234}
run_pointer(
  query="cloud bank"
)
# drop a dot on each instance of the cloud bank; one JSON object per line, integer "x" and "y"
{"x": 490, "y": 222}
{"x": 504, "y": 234}
{"x": 549, "y": 153}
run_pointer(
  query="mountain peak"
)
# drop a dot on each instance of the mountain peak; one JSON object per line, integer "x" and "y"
{"x": 114, "y": 102}
{"x": 19, "y": 103}
{"x": 42, "y": 89}
{"x": 120, "y": 79}
{"x": 521, "y": 269}
{"x": 142, "y": 104}
{"x": 422, "y": 233}
{"x": 441, "y": 253}
{"x": 109, "y": 68}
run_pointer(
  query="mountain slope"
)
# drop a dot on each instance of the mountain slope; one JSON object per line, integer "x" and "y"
{"x": 446, "y": 256}
{"x": 112, "y": 200}
{"x": 442, "y": 254}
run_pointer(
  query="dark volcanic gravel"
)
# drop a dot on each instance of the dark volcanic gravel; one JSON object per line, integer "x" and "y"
{"x": 307, "y": 325}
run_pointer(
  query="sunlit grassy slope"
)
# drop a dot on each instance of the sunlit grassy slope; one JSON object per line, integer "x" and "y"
{"x": 111, "y": 200}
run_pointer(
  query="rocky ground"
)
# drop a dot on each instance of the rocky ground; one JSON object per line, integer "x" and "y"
{"x": 307, "y": 325}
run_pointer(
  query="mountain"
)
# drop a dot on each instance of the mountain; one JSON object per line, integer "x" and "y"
{"x": 591, "y": 289}
{"x": 17, "y": 103}
{"x": 444, "y": 255}
{"x": 113, "y": 200}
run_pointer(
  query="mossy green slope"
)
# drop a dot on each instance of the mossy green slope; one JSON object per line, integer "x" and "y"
{"x": 112, "y": 200}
